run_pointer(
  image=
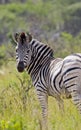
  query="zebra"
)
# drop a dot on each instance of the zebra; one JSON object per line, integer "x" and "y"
{"x": 51, "y": 76}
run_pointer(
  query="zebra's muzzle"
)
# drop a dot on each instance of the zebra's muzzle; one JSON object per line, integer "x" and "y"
{"x": 20, "y": 66}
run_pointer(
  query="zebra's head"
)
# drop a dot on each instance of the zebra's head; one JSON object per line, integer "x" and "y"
{"x": 23, "y": 50}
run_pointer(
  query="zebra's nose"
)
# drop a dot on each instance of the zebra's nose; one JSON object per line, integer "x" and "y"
{"x": 20, "y": 66}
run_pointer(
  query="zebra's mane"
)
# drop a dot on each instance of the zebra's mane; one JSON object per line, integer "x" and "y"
{"x": 22, "y": 37}
{"x": 41, "y": 54}
{"x": 38, "y": 45}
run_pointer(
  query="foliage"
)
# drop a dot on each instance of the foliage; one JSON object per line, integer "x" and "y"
{"x": 6, "y": 54}
{"x": 72, "y": 18}
{"x": 2, "y": 54}
{"x": 13, "y": 116}
{"x": 16, "y": 102}
{"x": 19, "y": 107}
{"x": 42, "y": 19}
{"x": 67, "y": 45}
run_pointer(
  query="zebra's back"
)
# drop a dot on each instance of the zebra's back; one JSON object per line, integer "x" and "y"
{"x": 64, "y": 73}
{"x": 71, "y": 72}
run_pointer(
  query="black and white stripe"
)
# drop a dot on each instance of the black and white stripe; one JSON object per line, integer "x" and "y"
{"x": 52, "y": 76}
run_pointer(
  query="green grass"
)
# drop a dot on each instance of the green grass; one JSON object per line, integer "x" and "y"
{"x": 68, "y": 121}
{"x": 20, "y": 110}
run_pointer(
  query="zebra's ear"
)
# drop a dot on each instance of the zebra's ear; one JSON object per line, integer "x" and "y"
{"x": 16, "y": 37}
{"x": 12, "y": 39}
{"x": 29, "y": 37}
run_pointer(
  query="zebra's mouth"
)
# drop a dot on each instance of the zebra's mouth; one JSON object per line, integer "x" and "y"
{"x": 20, "y": 67}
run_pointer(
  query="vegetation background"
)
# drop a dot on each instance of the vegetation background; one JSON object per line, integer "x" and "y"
{"x": 54, "y": 22}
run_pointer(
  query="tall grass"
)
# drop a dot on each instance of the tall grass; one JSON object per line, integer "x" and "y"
{"x": 20, "y": 109}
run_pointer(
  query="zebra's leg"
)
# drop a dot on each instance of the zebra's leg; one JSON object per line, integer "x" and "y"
{"x": 60, "y": 104}
{"x": 75, "y": 90}
{"x": 76, "y": 97}
{"x": 43, "y": 99}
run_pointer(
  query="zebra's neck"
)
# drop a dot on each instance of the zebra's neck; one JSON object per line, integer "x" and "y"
{"x": 41, "y": 53}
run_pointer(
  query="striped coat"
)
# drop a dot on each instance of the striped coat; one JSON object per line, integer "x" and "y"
{"x": 50, "y": 76}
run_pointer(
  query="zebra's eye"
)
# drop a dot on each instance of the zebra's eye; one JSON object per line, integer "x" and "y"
{"x": 28, "y": 51}
{"x": 16, "y": 50}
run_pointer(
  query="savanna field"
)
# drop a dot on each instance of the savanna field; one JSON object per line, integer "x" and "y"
{"x": 20, "y": 109}
{"x": 56, "y": 23}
